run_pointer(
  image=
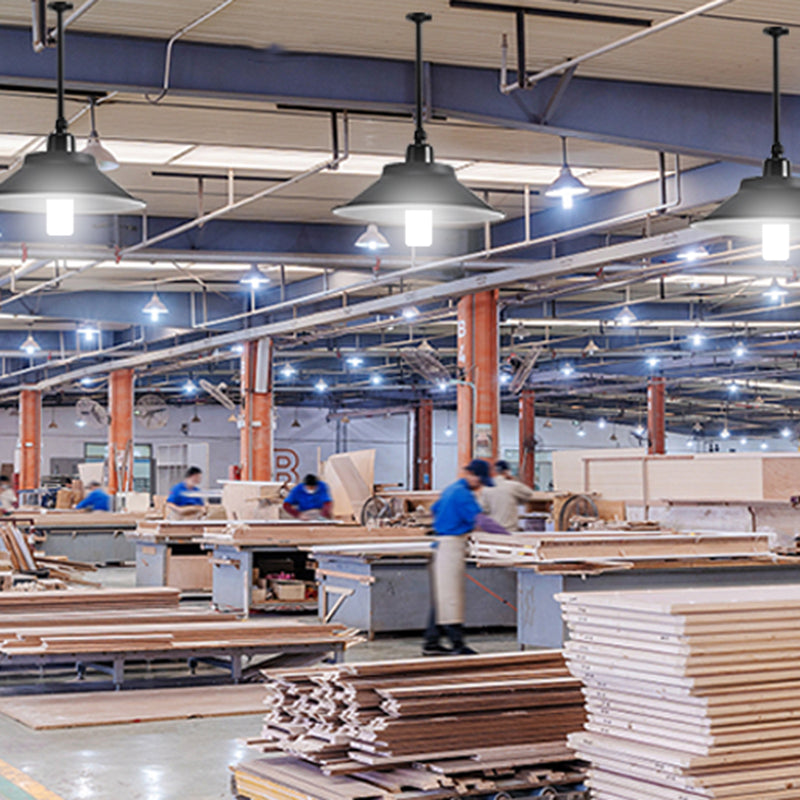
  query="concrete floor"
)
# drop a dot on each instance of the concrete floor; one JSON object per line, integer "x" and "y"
{"x": 180, "y": 760}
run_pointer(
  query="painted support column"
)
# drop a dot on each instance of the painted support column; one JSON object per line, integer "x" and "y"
{"x": 256, "y": 429}
{"x": 656, "y": 416}
{"x": 527, "y": 437}
{"x": 423, "y": 445}
{"x": 120, "y": 431}
{"x": 478, "y": 398}
{"x": 30, "y": 436}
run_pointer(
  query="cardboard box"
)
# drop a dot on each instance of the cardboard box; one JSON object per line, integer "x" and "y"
{"x": 289, "y": 590}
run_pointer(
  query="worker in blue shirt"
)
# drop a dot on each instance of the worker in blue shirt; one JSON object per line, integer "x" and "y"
{"x": 455, "y": 514}
{"x": 96, "y": 500}
{"x": 184, "y": 499}
{"x": 310, "y": 499}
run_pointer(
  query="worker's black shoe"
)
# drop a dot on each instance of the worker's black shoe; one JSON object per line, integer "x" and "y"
{"x": 435, "y": 649}
{"x": 464, "y": 650}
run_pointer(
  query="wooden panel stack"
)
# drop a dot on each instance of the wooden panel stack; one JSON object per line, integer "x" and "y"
{"x": 93, "y": 601}
{"x": 460, "y": 726}
{"x": 689, "y": 695}
{"x": 596, "y": 551}
{"x": 165, "y": 635}
{"x": 303, "y": 534}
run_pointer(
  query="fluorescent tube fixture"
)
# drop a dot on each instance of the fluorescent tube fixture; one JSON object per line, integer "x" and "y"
{"x": 30, "y": 345}
{"x": 566, "y": 186}
{"x": 372, "y": 239}
{"x": 88, "y": 331}
{"x": 155, "y": 308}
{"x": 765, "y": 207}
{"x": 61, "y": 182}
{"x": 693, "y": 253}
{"x": 419, "y": 193}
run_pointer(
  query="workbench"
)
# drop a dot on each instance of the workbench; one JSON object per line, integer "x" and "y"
{"x": 232, "y": 576}
{"x": 95, "y": 537}
{"x": 386, "y": 587}
{"x": 180, "y": 563}
{"x": 539, "y": 622}
{"x": 230, "y": 657}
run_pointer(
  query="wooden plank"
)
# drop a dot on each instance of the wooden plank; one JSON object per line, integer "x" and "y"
{"x": 84, "y": 709}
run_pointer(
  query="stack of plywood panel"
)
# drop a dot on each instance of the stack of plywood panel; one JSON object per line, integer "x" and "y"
{"x": 689, "y": 695}
{"x": 598, "y": 550}
{"x": 303, "y": 534}
{"x": 449, "y": 725}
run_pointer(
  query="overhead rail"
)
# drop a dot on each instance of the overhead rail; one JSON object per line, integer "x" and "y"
{"x": 525, "y": 81}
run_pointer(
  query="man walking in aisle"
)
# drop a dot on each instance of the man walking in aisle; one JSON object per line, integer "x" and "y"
{"x": 502, "y": 501}
{"x": 455, "y": 514}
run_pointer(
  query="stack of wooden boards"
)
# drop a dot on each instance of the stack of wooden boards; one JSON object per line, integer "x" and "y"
{"x": 453, "y": 727}
{"x": 141, "y": 621}
{"x": 16, "y": 556}
{"x": 598, "y": 551}
{"x": 689, "y": 694}
{"x": 303, "y": 534}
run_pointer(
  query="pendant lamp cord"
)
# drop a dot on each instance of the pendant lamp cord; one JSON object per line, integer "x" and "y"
{"x": 564, "y": 151}
{"x": 776, "y": 32}
{"x": 418, "y": 18}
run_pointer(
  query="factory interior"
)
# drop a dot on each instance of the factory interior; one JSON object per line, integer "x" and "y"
{"x": 399, "y": 401}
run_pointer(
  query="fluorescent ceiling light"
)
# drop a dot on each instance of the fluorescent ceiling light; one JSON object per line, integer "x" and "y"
{"x": 257, "y": 158}
{"x": 12, "y": 143}
{"x": 138, "y": 152}
{"x": 617, "y": 178}
{"x": 502, "y": 172}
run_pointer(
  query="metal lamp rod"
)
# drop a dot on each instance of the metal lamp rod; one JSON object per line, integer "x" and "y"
{"x": 60, "y": 8}
{"x": 418, "y": 18}
{"x": 776, "y": 32}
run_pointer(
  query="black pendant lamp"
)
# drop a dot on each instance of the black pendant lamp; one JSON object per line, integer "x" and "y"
{"x": 418, "y": 193}
{"x": 62, "y": 182}
{"x": 767, "y": 207}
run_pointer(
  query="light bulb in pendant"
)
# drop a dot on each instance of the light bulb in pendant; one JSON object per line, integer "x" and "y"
{"x": 419, "y": 227}
{"x": 60, "y": 214}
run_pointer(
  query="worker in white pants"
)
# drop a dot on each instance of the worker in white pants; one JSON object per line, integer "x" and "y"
{"x": 456, "y": 514}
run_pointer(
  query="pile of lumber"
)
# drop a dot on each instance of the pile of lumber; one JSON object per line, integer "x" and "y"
{"x": 303, "y": 534}
{"x": 689, "y": 695}
{"x": 163, "y": 636}
{"x": 16, "y": 556}
{"x": 598, "y": 551}
{"x": 455, "y": 726}
{"x": 90, "y": 601}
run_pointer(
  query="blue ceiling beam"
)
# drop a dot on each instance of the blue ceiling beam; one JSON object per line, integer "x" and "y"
{"x": 725, "y": 124}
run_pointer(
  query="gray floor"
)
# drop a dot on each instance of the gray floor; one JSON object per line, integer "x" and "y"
{"x": 181, "y": 760}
